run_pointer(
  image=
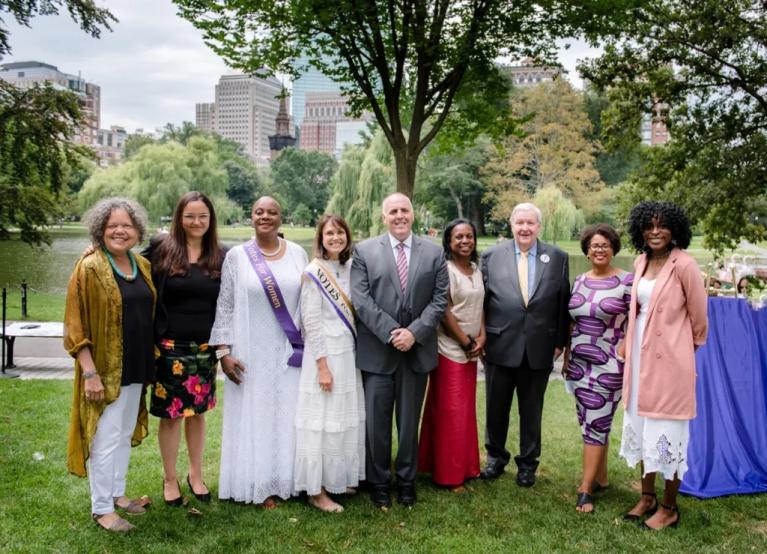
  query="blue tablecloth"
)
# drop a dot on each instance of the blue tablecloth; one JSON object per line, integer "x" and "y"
{"x": 728, "y": 438}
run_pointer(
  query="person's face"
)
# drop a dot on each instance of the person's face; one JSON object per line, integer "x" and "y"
{"x": 398, "y": 217}
{"x": 334, "y": 240}
{"x": 525, "y": 227}
{"x": 600, "y": 251}
{"x": 657, "y": 236}
{"x": 267, "y": 217}
{"x": 195, "y": 219}
{"x": 120, "y": 235}
{"x": 462, "y": 241}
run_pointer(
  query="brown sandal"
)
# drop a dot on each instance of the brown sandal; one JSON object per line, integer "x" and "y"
{"x": 135, "y": 506}
{"x": 119, "y": 525}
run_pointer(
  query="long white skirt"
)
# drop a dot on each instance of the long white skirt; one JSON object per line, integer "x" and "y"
{"x": 330, "y": 428}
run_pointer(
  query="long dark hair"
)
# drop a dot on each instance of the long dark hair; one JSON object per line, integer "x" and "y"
{"x": 447, "y": 235}
{"x": 171, "y": 254}
{"x": 319, "y": 248}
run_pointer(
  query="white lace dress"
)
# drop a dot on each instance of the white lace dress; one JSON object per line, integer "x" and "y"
{"x": 258, "y": 437}
{"x": 330, "y": 426}
{"x": 660, "y": 443}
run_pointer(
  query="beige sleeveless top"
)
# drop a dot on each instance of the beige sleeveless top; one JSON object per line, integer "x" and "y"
{"x": 467, "y": 295}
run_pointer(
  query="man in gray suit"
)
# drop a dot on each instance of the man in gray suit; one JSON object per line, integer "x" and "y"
{"x": 527, "y": 290}
{"x": 399, "y": 289}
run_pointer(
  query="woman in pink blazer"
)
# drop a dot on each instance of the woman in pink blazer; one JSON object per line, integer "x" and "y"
{"x": 667, "y": 323}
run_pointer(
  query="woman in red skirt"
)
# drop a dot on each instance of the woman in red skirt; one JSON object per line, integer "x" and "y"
{"x": 448, "y": 447}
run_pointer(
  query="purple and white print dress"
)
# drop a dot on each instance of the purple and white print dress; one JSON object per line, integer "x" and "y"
{"x": 599, "y": 309}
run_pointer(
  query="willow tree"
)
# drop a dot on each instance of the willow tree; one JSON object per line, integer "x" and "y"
{"x": 345, "y": 181}
{"x": 404, "y": 60}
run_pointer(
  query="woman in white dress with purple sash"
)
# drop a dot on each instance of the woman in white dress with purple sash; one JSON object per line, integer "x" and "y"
{"x": 257, "y": 310}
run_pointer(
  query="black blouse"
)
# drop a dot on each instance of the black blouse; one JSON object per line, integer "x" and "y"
{"x": 190, "y": 302}
{"x": 138, "y": 339}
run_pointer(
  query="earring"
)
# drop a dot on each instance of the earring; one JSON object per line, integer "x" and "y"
{"x": 673, "y": 242}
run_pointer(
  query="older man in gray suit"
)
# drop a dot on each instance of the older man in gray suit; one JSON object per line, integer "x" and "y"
{"x": 399, "y": 289}
{"x": 527, "y": 290}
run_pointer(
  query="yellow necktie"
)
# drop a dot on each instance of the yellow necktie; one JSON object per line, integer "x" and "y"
{"x": 522, "y": 272}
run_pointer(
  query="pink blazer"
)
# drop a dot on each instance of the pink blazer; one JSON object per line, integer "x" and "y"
{"x": 676, "y": 323}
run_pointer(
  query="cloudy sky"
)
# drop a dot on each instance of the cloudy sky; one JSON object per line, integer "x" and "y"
{"x": 152, "y": 68}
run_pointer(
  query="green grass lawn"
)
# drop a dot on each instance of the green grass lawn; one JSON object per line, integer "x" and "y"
{"x": 43, "y": 509}
{"x": 41, "y": 306}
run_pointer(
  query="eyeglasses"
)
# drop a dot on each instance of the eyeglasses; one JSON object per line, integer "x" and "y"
{"x": 193, "y": 217}
{"x": 600, "y": 247}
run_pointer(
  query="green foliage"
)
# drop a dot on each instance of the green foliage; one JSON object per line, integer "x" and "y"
{"x": 561, "y": 219}
{"x": 404, "y": 61}
{"x": 158, "y": 174}
{"x": 245, "y": 184}
{"x": 301, "y": 177}
{"x": 376, "y": 182}
{"x": 36, "y": 125}
{"x": 134, "y": 143}
{"x": 345, "y": 181}
{"x": 85, "y": 13}
{"x": 703, "y": 67}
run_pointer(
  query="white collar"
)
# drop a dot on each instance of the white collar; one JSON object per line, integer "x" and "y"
{"x": 408, "y": 242}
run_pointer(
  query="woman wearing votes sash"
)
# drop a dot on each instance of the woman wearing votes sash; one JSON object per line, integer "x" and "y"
{"x": 330, "y": 419}
{"x": 260, "y": 349}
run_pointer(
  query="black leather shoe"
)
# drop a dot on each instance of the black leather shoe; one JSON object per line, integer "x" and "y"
{"x": 380, "y": 496}
{"x": 526, "y": 478}
{"x": 491, "y": 471}
{"x": 202, "y": 497}
{"x": 406, "y": 494}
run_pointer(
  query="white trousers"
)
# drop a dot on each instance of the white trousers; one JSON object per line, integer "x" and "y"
{"x": 110, "y": 449}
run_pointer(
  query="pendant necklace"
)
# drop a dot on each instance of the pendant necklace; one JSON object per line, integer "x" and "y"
{"x": 270, "y": 254}
{"x": 134, "y": 269}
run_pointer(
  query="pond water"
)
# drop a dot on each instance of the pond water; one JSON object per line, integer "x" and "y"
{"x": 48, "y": 268}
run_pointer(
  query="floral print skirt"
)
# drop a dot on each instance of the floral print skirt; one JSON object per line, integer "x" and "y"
{"x": 186, "y": 379}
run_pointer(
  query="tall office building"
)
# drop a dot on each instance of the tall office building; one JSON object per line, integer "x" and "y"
{"x": 205, "y": 116}
{"x": 27, "y": 74}
{"x": 325, "y": 113}
{"x": 245, "y": 111}
{"x": 110, "y": 144}
{"x": 311, "y": 81}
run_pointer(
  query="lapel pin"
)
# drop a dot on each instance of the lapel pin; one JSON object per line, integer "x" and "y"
{"x": 545, "y": 258}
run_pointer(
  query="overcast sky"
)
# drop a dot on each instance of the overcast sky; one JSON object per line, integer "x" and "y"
{"x": 152, "y": 68}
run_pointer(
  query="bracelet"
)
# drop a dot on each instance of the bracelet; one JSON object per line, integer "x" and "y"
{"x": 90, "y": 374}
{"x": 471, "y": 344}
{"x": 222, "y": 352}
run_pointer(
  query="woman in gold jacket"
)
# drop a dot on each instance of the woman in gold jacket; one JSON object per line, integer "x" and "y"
{"x": 108, "y": 330}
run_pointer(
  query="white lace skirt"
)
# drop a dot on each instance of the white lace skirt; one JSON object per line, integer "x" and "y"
{"x": 330, "y": 428}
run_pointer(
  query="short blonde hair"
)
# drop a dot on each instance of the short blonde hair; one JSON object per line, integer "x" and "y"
{"x": 526, "y": 207}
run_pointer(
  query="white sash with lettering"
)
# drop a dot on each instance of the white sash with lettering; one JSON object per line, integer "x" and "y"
{"x": 323, "y": 278}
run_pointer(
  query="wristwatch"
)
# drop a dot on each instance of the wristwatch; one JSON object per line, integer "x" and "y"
{"x": 222, "y": 352}
{"x": 90, "y": 374}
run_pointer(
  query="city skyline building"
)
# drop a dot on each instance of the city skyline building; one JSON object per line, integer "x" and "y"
{"x": 110, "y": 144}
{"x": 528, "y": 73}
{"x": 311, "y": 81}
{"x": 326, "y": 115}
{"x": 283, "y": 137}
{"x": 26, "y": 74}
{"x": 205, "y": 116}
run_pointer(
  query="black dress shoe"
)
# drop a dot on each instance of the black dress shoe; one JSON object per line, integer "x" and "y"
{"x": 491, "y": 471}
{"x": 406, "y": 494}
{"x": 380, "y": 496}
{"x": 202, "y": 497}
{"x": 526, "y": 478}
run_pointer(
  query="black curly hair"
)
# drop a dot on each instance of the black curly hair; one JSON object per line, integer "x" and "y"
{"x": 668, "y": 214}
{"x": 448, "y": 234}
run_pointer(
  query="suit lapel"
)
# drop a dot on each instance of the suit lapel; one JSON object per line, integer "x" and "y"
{"x": 540, "y": 269}
{"x": 413, "y": 266}
{"x": 390, "y": 265}
{"x": 513, "y": 273}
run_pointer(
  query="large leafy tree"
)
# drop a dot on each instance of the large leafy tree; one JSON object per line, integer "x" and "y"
{"x": 302, "y": 178}
{"x": 703, "y": 65}
{"x": 404, "y": 60}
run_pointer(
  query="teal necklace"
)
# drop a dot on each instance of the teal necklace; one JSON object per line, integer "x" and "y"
{"x": 134, "y": 269}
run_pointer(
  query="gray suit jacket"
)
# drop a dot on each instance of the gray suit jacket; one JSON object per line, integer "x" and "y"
{"x": 382, "y": 307}
{"x": 513, "y": 329}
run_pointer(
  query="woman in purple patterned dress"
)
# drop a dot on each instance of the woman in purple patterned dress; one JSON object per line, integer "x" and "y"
{"x": 599, "y": 306}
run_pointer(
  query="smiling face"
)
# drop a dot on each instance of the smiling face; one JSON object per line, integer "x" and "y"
{"x": 398, "y": 216}
{"x": 657, "y": 236}
{"x": 600, "y": 251}
{"x": 120, "y": 234}
{"x": 266, "y": 217}
{"x": 462, "y": 241}
{"x": 195, "y": 219}
{"x": 525, "y": 227}
{"x": 334, "y": 240}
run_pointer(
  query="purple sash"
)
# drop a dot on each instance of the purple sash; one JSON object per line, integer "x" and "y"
{"x": 273, "y": 293}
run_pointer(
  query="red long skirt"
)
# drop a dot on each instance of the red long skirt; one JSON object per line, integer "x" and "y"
{"x": 448, "y": 447}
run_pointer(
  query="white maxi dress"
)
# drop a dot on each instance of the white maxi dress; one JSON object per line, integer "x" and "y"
{"x": 258, "y": 437}
{"x": 330, "y": 426}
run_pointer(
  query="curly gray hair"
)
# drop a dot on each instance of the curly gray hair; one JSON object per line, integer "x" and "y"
{"x": 96, "y": 218}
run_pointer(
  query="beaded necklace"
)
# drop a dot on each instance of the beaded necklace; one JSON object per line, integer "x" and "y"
{"x": 134, "y": 269}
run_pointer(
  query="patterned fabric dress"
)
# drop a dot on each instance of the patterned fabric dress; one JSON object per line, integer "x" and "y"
{"x": 599, "y": 309}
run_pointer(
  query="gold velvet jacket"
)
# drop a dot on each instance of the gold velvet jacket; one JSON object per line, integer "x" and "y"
{"x": 93, "y": 318}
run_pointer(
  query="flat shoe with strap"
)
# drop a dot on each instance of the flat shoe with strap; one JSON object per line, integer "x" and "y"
{"x": 648, "y": 512}
{"x": 333, "y": 508}
{"x": 119, "y": 525}
{"x": 583, "y": 499}
{"x": 134, "y": 507}
{"x": 672, "y": 509}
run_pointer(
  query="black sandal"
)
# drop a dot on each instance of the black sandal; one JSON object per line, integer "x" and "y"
{"x": 584, "y": 498}
{"x": 654, "y": 508}
{"x": 672, "y": 509}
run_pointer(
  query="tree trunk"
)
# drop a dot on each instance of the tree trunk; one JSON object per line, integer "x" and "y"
{"x": 457, "y": 200}
{"x": 406, "y": 166}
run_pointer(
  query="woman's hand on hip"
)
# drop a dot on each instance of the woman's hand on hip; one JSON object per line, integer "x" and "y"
{"x": 232, "y": 368}
{"x": 94, "y": 389}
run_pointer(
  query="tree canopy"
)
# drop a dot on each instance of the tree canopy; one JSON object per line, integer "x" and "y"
{"x": 404, "y": 60}
{"x": 702, "y": 66}
{"x": 302, "y": 178}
